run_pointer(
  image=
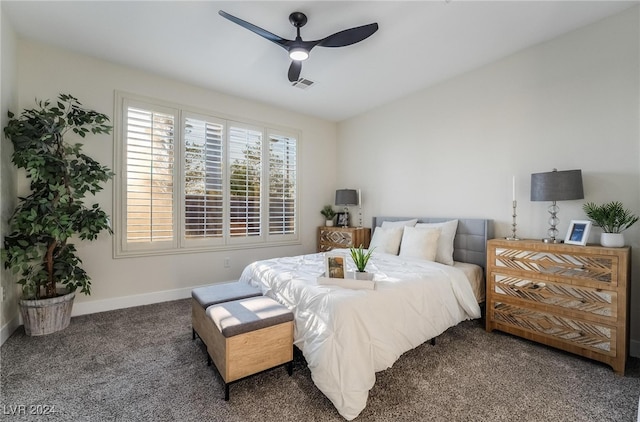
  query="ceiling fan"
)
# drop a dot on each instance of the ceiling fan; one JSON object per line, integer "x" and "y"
{"x": 298, "y": 49}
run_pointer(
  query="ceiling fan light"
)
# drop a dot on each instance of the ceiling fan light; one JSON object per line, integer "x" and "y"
{"x": 298, "y": 54}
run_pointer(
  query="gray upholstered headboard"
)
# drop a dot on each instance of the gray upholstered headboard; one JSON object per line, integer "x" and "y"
{"x": 470, "y": 243}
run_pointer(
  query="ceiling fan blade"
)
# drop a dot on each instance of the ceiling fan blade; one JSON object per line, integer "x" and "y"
{"x": 349, "y": 36}
{"x": 294, "y": 70}
{"x": 256, "y": 29}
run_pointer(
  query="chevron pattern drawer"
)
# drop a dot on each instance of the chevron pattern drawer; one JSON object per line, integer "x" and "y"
{"x": 583, "y": 334}
{"x": 574, "y": 298}
{"x": 597, "y": 268}
{"x": 547, "y": 294}
{"x": 342, "y": 237}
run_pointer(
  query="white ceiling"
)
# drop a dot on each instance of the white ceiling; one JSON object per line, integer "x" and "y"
{"x": 419, "y": 43}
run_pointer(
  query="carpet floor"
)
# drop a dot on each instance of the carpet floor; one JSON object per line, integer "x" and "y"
{"x": 140, "y": 364}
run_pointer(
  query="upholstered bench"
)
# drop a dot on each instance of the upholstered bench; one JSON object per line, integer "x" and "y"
{"x": 203, "y": 297}
{"x": 248, "y": 336}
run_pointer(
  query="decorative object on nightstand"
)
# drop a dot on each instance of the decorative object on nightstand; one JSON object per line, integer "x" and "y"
{"x": 556, "y": 186}
{"x": 342, "y": 219}
{"x": 342, "y": 237}
{"x": 346, "y": 197}
{"x": 329, "y": 215}
{"x": 574, "y": 298}
{"x": 613, "y": 219}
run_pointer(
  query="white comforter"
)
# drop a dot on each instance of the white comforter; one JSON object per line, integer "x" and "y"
{"x": 348, "y": 335}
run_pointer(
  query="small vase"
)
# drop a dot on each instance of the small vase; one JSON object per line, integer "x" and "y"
{"x": 329, "y": 223}
{"x": 612, "y": 240}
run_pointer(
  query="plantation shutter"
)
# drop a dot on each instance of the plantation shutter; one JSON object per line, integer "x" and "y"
{"x": 245, "y": 179}
{"x": 189, "y": 180}
{"x": 203, "y": 178}
{"x": 149, "y": 169}
{"x": 282, "y": 185}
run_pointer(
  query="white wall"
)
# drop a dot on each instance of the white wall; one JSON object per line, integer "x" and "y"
{"x": 8, "y": 100}
{"x": 452, "y": 149}
{"x": 45, "y": 71}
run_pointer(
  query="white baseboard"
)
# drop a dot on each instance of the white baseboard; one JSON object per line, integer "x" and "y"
{"x": 9, "y": 328}
{"x": 95, "y": 306}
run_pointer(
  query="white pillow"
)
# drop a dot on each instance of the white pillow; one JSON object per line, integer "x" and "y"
{"x": 386, "y": 240}
{"x": 419, "y": 243}
{"x": 405, "y": 223}
{"x": 448, "y": 229}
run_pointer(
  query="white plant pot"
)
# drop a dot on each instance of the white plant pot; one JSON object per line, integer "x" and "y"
{"x": 328, "y": 223}
{"x": 363, "y": 275}
{"x": 612, "y": 240}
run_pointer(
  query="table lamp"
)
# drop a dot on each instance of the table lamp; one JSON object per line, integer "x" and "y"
{"x": 556, "y": 186}
{"x": 346, "y": 197}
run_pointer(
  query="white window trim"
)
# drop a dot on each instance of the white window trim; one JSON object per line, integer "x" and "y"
{"x": 179, "y": 244}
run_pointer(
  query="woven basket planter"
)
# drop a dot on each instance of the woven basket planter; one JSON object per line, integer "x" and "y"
{"x": 46, "y": 316}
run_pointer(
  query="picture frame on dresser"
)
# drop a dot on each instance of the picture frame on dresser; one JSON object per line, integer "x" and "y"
{"x": 578, "y": 232}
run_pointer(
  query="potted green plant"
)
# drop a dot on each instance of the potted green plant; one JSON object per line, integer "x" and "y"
{"x": 613, "y": 218}
{"x": 38, "y": 247}
{"x": 360, "y": 259}
{"x": 329, "y": 214}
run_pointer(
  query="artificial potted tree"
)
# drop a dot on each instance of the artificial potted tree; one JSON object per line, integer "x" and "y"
{"x": 329, "y": 214}
{"x": 613, "y": 219}
{"x": 38, "y": 247}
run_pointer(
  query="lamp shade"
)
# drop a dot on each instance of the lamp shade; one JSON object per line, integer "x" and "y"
{"x": 557, "y": 185}
{"x": 346, "y": 197}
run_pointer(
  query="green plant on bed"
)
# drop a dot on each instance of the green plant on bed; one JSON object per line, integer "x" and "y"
{"x": 360, "y": 257}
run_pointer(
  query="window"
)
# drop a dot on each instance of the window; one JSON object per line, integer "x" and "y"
{"x": 204, "y": 199}
{"x": 282, "y": 185}
{"x": 192, "y": 181}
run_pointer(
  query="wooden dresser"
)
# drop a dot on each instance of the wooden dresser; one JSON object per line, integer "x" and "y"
{"x": 574, "y": 298}
{"x": 342, "y": 237}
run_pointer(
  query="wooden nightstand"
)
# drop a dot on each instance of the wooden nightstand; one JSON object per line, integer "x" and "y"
{"x": 342, "y": 237}
{"x": 574, "y": 298}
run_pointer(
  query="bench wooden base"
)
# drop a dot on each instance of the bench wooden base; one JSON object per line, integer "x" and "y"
{"x": 245, "y": 354}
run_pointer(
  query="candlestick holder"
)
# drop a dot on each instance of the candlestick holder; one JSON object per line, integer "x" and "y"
{"x": 513, "y": 223}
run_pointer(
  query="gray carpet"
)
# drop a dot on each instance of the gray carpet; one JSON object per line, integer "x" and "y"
{"x": 140, "y": 364}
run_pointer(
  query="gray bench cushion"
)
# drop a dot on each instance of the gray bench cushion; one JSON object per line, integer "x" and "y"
{"x": 245, "y": 315}
{"x": 218, "y": 293}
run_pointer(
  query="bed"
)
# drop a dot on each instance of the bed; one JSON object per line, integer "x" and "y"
{"x": 348, "y": 334}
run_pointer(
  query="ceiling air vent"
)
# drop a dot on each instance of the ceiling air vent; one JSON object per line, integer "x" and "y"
{"x": 302, "y": 83}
